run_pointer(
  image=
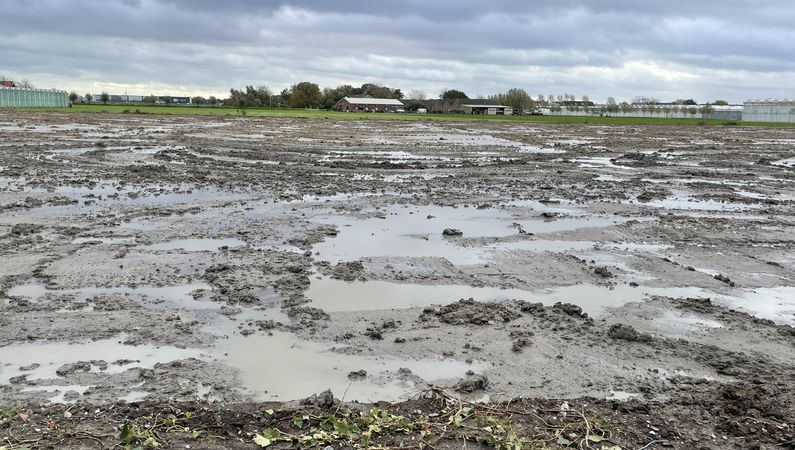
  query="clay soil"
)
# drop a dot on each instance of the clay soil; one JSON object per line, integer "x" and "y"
{"x": 191, "y": 282}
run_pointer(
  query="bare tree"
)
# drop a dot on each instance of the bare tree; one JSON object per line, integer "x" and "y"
{"x": 24, "y": 84}
{"x": 104, "y": 97}
{"x": 416, "y": 94}
{"x": 73, "y": 97}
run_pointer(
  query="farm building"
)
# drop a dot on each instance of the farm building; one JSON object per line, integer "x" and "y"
{"x": 12, "y": 97}
{"x": 489, "y": 109}
{"x": 465, "y": 106}
{"x": 769, "y": 110}
{"x": 349, "y": 104}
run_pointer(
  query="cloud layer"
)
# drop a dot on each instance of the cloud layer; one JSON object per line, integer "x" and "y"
{"x": 732, "y": 49}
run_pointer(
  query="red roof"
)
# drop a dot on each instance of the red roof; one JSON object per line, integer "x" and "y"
{"x": 7, "y": 83}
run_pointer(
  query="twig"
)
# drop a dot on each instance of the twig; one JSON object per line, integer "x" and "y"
{"x": 342, "y": 400}
{"x": 657, "y": 441}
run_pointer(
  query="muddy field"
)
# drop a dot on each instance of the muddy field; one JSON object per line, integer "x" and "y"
{"x": 650, "y": 269}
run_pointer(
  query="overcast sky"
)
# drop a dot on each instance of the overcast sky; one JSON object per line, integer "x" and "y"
{"x": 705, "y": 49}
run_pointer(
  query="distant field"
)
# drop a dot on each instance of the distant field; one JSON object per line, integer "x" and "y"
{"x": 319, "y": 114}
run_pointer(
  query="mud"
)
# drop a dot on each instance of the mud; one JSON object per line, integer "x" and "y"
{"x": 235, "y": 260}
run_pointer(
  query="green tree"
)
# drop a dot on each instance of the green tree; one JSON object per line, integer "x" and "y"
{"x": 212, "y": 100}
{"x": 88, "y": 98}
{"x": 305, "y": 95}
{"x": 452, "y": 94}
{"x": 167, "y": 100}
{"x": 198, "y": 100}
{"x": 720, "y": 102}
{"x": 104, "y": 97}
{"x": 73, "y": 97}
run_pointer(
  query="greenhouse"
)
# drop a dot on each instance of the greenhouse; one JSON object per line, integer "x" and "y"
{"x": 33, "y": 98}
{"x": 769, "y": 110}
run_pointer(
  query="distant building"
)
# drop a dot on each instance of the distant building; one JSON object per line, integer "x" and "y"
{"x": 465, "y": 106}
{"x": 7, "y": 83}
{"x": 488, "y": 109}
{"x": 349, "y": 104}
{"x": 769, "y": 110}
{"x": 13, "y": 97}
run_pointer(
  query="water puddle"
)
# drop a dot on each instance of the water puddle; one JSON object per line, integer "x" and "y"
{"x": 417, "y": 232}
{"x": 341, "y": 296}
{"x": 610, "y": 179}
{"x": 600, "y": 162}
{"x": 104, "y": 241}
{"x": 283, "y": 367}
{"x": 46, "y": 358}
{"x": 683, "y": 201}
{"x": 180, "y": 296}
{"x": 139, "y": 225}
{"x": 540, "y": 150}
{"x": 621, "y": 396}
{"x": 60, "y": 392}
{"x": 789, "y": 162}
{"x": 194, "y": 245}
{"x": 677, "y": 324}
{"x": 775, "y": 303}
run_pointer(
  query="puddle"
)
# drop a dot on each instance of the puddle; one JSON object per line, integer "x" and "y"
{"x": 104, "y": 241}
{"x": 180, "y": 296}
{"x": 393, "y": 156}
{"x": 776, "y": 303}
{"x": 407, "y": 232}
{"x": 563, "y": 246}
{"x": 673, "y": 323}
{"x": 342, "y": 296}
{"x": 789, "y": 162}
{"x": 539, "y": 150}
{"x": 610, "y": 179}
{"x": 600, "y": 162}
{"x": 139, "y": 225}
{"x": 282, "y": 367}
{"x": 685, "y": 202}
{"x": 194, "y": 245}
{"x": 60, "y": 392}
{"x": 134, "y": 397}
{"x": 621, "y": 396}
{"x": 52, "y": 355}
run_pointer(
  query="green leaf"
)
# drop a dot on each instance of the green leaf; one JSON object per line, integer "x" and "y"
{"x": 127, "y": 433}
{"x": 563, "y": 441}
{"x": 269, "y": 412}
{"x": 262, "y": 441}
{"x": 298, "y": 422}
{"x": 595, "y": 438}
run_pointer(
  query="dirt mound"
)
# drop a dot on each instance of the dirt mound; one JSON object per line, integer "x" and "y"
{"x": 627, "y": 333}
{"x": 468, "y": 311}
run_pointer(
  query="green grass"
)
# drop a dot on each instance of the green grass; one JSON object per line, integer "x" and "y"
{"x": 318, "y": 114}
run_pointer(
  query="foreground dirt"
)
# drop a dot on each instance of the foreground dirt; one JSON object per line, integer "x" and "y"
{"x": 640, "y": 274}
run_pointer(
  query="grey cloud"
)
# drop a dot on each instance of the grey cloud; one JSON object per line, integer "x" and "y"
{"x": 594, "y": 47}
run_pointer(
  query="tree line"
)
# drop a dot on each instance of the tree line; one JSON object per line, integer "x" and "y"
{"x": 309, "y": 95}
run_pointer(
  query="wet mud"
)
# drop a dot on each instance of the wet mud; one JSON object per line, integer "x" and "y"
{"x": 240, "y": 260}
